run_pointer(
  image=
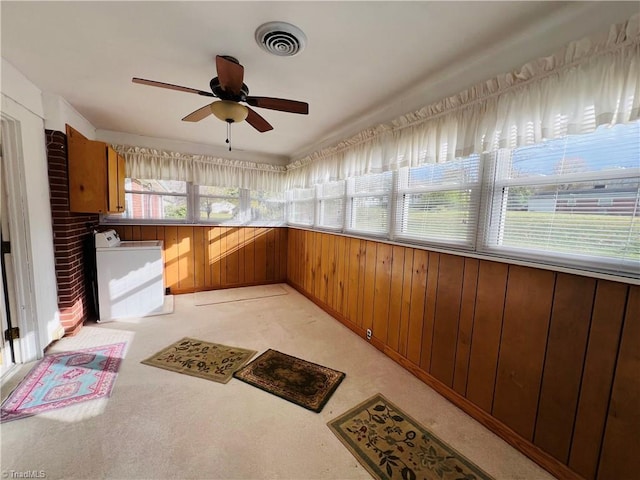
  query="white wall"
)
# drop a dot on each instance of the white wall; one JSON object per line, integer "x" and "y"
{"x": 18, "y": 87}
{"x": 22, "y": 102}
{"x": 58, "y": 112}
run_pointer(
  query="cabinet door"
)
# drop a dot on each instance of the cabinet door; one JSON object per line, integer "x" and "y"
{"x": 121, "y": 200}
{"x": 115, "y": 168}
{"x": 87, "y": 174}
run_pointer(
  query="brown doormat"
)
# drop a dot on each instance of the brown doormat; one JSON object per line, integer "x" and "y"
{"x": 392, "y": 445}
{"x": 304, "y": 383}
{"x": 201, "y": 359}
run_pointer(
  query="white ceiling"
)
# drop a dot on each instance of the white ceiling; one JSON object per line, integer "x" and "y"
{"x": 365, "y": 62}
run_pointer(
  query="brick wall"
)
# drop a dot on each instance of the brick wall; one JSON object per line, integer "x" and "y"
{"x": 71, "y": 232}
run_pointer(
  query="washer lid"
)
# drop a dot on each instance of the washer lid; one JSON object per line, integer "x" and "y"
{"x": 108, "y": 238}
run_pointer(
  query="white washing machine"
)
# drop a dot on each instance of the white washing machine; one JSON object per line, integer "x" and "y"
{"x": 130, "y": 277}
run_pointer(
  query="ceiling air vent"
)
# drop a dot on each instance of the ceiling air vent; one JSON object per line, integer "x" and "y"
{"x": 280, "y": 38}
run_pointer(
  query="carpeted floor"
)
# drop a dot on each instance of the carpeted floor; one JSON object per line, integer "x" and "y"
{"x": 161, "y": 425}
{"x": 213, "y": 297}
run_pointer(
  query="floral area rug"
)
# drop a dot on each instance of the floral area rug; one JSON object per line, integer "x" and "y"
{"x": 63, "y": 379}
{"x": 304, "y": 383}
{"x": 211, "y": 361}
{"x": 392, "y": 445}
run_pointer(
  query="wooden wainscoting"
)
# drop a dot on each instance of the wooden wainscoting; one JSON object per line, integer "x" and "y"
{"x": 200, "y": 258}
{"x": 550, "y": 361}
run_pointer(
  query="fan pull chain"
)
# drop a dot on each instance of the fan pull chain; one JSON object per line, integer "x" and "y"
{"x": 229, "y": 135}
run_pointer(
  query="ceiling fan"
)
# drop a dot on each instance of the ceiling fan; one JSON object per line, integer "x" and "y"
{"x": 228, "y": 86}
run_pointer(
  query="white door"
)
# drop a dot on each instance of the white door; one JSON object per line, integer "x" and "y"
{"x": 7, "y": 297}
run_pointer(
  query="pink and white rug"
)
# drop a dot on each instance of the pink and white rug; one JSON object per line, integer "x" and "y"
{"x": 63, "y": 379}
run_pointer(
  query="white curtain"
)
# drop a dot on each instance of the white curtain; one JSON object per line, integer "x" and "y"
{"x": 154, "y": 164}
{"x": 591, "y": 82}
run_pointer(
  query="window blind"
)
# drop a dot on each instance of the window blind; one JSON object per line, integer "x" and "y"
{"x": 438, "y": 203}
{"x": 331, "y": 205}
{"x": 301, "y": 206}
{"x": 575, "y": 198}
{"x": 368, "y": 198}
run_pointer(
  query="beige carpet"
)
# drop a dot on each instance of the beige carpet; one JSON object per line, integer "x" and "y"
{"x": 238, "y": 294}
{"x": 160, "y": 426}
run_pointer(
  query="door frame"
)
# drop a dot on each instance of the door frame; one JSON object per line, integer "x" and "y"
{"x": 27, "y": 346}
{"x": 7, "y": 298}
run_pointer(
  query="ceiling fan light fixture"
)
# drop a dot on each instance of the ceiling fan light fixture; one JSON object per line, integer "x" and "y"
{"x": 228, "y": 111}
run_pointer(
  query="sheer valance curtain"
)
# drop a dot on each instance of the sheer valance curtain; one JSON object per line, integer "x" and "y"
{"x": 148, "y": 163}
{"x": 591, "y": 82}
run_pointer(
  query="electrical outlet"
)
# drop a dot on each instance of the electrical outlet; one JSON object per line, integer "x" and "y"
{"x": 368, "y": 334}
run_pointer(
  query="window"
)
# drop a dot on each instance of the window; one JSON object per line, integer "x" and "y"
{"x": 369, "y": 203}
{"x": 184, "y": 202}
{"x": 218, "y": 204}
{"x": 301, "y": 205}
{"x": 571, "y": 201}
{"x": 574, "y": 199}
{"x": 267, "y": 208}
{"x": 331, "y": 205}
{"x": 438, "y": 203}
{"x": 155, "y": 199}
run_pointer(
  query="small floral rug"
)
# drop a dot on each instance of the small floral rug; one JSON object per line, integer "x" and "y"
{"x": 304, "y": 383}
{"x": 211, "y": 361}
{"x": 63, "y": 379}
{"x": 392, "y": 445}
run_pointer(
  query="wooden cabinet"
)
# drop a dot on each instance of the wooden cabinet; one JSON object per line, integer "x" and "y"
{"x": 96, "y": 175}
{"x": 115, "y": 181}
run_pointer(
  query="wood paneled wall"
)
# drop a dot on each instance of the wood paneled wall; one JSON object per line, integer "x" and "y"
{"x": 205, "y": 257}
{"x": 550, "y": 361}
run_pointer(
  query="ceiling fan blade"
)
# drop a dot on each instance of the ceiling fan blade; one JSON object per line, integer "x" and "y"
{"x": 257, "y": 122}
{"x": 280, "y": 104}
{"x": 198, "y": 115}
{"x": 230, "y": 75}
{"x": 153, "y": 83}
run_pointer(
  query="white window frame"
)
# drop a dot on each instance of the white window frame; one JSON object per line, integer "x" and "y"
{"x": 351, "y": 195}
{"x": 193, "y": 196}
{"x": 494, "y": 205}
{"x": 321, "y": 200}
{"x": 402, "y": 208}
{"x": 114, "y": 218}
{"x": 292, "y": 202}
{"x": 197, "y": 196}
{"x": 264, "y": 223}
